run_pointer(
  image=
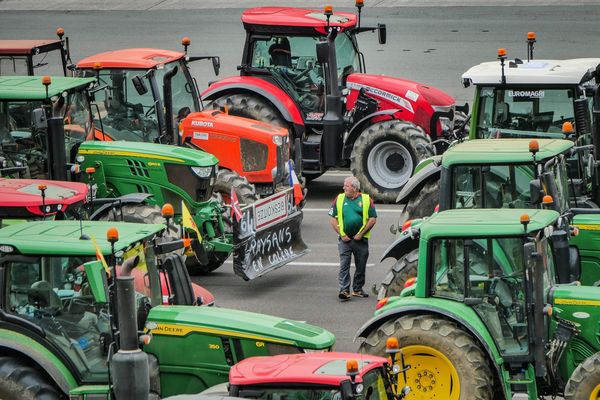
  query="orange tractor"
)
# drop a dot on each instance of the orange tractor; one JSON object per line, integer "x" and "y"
{"x": 149, "y": 95}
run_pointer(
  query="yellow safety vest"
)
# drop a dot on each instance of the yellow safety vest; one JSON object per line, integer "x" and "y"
{"x": 366, "y": 203}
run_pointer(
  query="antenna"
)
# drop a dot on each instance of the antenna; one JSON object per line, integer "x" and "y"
{"x": 42, "y": 188}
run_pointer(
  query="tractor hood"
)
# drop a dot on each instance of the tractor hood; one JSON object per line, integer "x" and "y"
{"x": 218, "y": 124}
{"x": 22, "y": 198}
{"x": 399, "y": 93}
{"x": 148, "y": 152}
{"x": 201, "y": 322}
{"x": 578, "y": 304}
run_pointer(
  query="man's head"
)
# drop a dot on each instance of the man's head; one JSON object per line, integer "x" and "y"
{"x": 280, "y": 53}
{"x": 351, "y": 187}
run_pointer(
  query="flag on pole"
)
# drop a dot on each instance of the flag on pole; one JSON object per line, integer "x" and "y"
{"x": 188, "y": 222}
{"x": 100, "y": 256}
{"x": 295, "y": 183}
{"x": 236, "y": 210}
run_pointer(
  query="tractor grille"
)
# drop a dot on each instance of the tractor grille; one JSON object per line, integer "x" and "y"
{"x": 254, "y": 155}
{"x": 138, "y": 168}
{"x": 142, "y": 188}
{"x": 199, "y": 189}
{"x": 581, "y": 350}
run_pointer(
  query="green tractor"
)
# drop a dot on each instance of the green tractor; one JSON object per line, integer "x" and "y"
{"x": 528, "y": 99}
{"x": 508, "y": 173}
{"x": 487, "y": 318}
{"x": 61, "y": 316}
{"x": 44, "y": 124}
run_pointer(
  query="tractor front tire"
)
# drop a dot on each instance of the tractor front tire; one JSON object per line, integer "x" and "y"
{"x": 385, "y": 155}
{"x": 404, "y": 269}
{"x": 585, "y": 381}
{"x": 446, "y": 362}
{"x": 422, "y": 204}
{"x": 19, "y": 381}
{"x": 228, "y": 180}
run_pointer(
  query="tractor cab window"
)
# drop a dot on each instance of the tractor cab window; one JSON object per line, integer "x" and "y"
{"x": 292, "y": 62}
{"x": 376, "y": 386}
{"x": 54, "y": 294}
{"x": 183, "y": 91}
{"x": 47, "y": 63}
{"x": 13, "y": 66}
{"x": 126, "y": 115}
{"x": 488, "y": 275}
{"x": 524, "y": 112}
{"x": 313, "y": 392}
{"x": 492, "y": 186}
{"x": 23, "y": 129}
{"x": 348, "y": 59}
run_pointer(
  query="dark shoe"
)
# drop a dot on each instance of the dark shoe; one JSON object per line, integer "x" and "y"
{"x": 344, "y": 296}
{"x": 359, "y": 293}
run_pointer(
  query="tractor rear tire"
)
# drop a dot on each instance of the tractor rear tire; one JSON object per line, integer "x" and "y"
{"x": 446, "y": 362}
{"x": 215, "y": 260}
{"x": 404, "y": 269}
{"x": 228, "y": 180}
{"x": 423, "y": 204}
{"x": 19, "y": 381}
{"x": 249, "y": 106}
{"x": 585, "y": 381}
{"x": 385, "y": 155}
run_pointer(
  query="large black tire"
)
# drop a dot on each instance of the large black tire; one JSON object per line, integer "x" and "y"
{"x": 585, "y": 381}
{"x": 422, "y": 204}
{"x": 19, "y": 381}
{"x": 143, "y": 214}
{"x": 404, "y": 268}
{"x": 425, "y": 340}
{"x": 385, "y": 155}
{"x": 227, "y": 179}
{"x": 249, "y": 106}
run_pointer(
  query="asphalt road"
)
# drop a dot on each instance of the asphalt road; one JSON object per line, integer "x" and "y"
{"x": 432, "y": 45}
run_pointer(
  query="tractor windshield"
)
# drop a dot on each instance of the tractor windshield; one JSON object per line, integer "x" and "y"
{"x": 23, "y": 129}
{"x": 53, "y": 292}
{"x": 292, "y": 61}
{"x": 488, "y": 275}
{"x": 503, "y": 186}
{"x": 46, "y": 63}
{"x": 524, "y": 112}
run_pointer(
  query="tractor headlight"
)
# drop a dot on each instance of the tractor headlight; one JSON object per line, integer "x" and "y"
{"x": 6, "y": 248}
{"x": 278, "y": 140}
{"x": 202, "y": 172}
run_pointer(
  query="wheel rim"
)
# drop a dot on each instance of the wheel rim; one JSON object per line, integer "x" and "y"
{"x": 389, "y": 164}
{"x": 595, "y": 395}
{"x": 431, "y": 375}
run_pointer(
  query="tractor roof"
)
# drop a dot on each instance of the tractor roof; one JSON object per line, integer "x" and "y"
{"x": 291, "y": 18}
{"x": 31, "y": 87}
{"x": 151, "y": 151}
{"x": 484, "y": 223}
{"x": 142, "y": 58}
{"x": 328, "y": 368}
{"x": 534, "y": 72}
{"x": 22, "y": 197}
{"x": 63, "y": 237}
{"x": 502, "y": 151}
{"x": 28, "y": 47}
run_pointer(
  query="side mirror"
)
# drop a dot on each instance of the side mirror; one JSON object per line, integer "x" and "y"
{"x": 382, "y": 33}
{"x": 347, "y": 390}
{"x": 560, "y": 246}
{"x": 179, "y": 280}
{"x": 536, "y": 194}
{"x": 140, "y": 86}
{"x": 322, "y": 52}
{"x": 38, "y": 119}
{"x": 96, "y": 276}
{"x": 216, "y": 62}
{"x": 574, "y": 264}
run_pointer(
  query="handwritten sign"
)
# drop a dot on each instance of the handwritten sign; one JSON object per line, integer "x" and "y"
{"x": 268, "y": 236}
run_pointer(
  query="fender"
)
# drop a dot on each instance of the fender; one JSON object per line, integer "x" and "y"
{"x": 262, "y": 88}
{"x": 402, "y": 246}
{"x": 430, "y": 170}
{"x": 107, "y": 204}
{"x": 360, "y": 126}
{"x": 33, "y": 350}
{"x": 376, "y": 321}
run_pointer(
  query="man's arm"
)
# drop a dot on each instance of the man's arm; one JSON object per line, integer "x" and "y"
{"x": 334, "y": 224}
{"x": 370, "y": 223}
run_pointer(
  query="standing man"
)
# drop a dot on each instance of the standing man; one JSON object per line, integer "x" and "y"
{"x": 352, "y": 217}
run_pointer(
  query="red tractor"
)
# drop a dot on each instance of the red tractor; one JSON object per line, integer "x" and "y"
{"x": 26, "y": 57}
{"x": 302, "y": 70}
{"x": 149, "y": 95}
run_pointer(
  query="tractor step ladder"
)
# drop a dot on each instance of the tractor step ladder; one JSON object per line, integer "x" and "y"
{"x": 522, "y": 384}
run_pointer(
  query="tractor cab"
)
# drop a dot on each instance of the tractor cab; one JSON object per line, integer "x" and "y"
{"x": 35, "y": 57}
{"x": 27, "y": 104}
{"x": 487, "y": 307}
{"x": 132, "y": 102}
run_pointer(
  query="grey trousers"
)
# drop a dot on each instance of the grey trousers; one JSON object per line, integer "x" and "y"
{"x": 360, "y": 250}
